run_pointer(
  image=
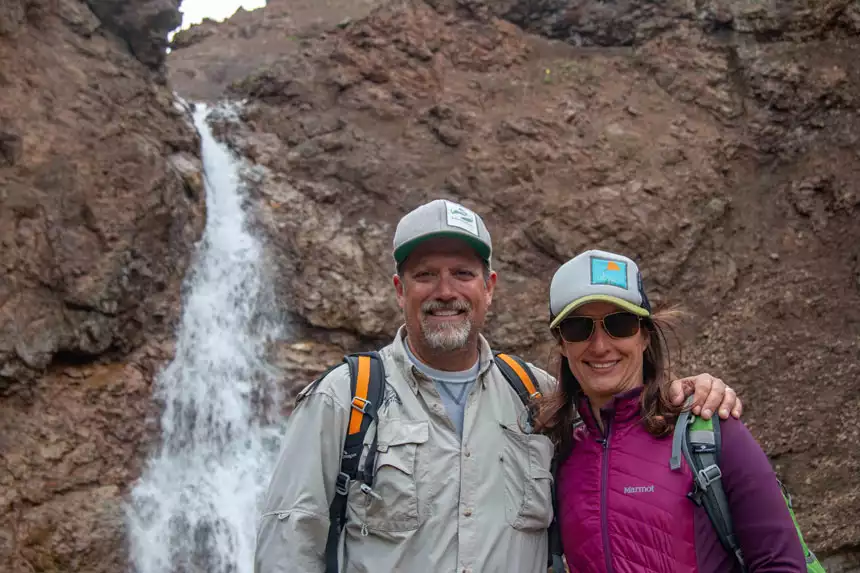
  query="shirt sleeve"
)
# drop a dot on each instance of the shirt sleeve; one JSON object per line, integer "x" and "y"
{"x": 763, "y": 526}
{"x": 293, "y": 528}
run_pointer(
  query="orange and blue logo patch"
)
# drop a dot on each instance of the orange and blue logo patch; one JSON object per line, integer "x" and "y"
{"x": 606, "y": 272}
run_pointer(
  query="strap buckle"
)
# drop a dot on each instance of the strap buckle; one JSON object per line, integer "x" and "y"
{"x": 536, "y": 395}
{"x": 360, "y": 404}
{"x": 707, "y": 476}
{"x": 341, "y": 484}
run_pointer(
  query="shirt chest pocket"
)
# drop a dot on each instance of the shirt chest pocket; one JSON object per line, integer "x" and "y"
{"x": 525, "y": 461}
{"x": 392, "y": 505}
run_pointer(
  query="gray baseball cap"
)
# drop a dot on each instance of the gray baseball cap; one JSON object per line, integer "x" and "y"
{"x": 441, "y": 218}
{"x": 596, "y": 276}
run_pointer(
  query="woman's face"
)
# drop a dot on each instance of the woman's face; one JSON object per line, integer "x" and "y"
{"x": 605, "y": 366}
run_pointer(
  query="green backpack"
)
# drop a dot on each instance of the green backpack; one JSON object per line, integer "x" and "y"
{"x": 698, "y": 441}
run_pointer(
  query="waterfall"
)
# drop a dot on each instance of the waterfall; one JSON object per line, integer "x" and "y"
{"x": 195, "y": 507}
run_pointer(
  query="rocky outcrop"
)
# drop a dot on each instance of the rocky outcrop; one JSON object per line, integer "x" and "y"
{"x": 714, "y": 142}
{"x": 632, "y": 22}
{"x": 144, "y": 25}
{"x": 101, "y": 201}
{"x": 251, "y": 41}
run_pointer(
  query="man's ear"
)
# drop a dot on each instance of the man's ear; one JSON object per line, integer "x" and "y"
{"x": 399, "y": 289}
{"x": 491, "y": 286}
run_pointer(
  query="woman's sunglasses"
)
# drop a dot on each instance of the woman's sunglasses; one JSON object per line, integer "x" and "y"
{"x": 616, "y": 325}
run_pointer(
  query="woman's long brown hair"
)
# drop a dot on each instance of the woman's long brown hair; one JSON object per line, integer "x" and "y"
{"x": 557, "y": 412}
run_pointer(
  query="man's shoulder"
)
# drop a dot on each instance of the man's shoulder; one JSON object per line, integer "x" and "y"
{"x": 334, "y": 383}
{"x": 546, "y": 382}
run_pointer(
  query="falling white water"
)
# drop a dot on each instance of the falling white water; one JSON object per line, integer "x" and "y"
{"x": 195, "y": 507}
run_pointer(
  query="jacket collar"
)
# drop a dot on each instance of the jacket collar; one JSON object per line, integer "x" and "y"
{"x": 622, "y": 409}
{"x": 412, "y": 375}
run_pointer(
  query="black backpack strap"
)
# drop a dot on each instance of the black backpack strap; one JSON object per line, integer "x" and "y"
{"x": 522, "y": 380}
{"x": 699, "y": 441}
{"x": 367, "y": 386}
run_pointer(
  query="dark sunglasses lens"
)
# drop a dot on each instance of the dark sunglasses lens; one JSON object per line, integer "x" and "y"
{"x": 576, "y": 328}
{"x": 621, "y": 324}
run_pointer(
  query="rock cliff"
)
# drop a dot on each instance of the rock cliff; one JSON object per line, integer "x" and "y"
{"x": 715, "y": 141}
{"x": 101, "y": 201}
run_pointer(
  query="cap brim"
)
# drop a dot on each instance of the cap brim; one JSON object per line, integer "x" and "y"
{"x": 404, "y": 250}
{"x": 626, "y": 305}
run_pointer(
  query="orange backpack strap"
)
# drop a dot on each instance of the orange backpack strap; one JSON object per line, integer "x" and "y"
{"x": 519, "y": 376}
{"x": 367, "y": 385}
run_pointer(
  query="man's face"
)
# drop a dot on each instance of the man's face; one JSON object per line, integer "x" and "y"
{"x": 444, "y": 294}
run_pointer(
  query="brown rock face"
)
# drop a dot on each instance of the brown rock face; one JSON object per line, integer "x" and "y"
{"x": 714, "y": 142}
{"x": 100, "y": 204}
{"x": 251, "y": 41}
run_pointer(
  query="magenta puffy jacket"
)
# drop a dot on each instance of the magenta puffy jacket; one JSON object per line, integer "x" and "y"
{"x": 622, "y": 510}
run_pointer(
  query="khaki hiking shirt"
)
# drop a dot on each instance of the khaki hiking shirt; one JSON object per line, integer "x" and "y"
{"x": 482, "y": 505}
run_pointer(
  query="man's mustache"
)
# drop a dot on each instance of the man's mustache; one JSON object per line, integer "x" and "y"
{"x": 434, "y": 305}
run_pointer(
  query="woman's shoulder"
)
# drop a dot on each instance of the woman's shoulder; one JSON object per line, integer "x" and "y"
{"x": 734, "y": 432}
{"x": 740, "y": 452}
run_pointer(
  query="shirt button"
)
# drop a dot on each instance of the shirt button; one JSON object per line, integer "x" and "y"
{"x": 468, "y": 454}
{"x": 467, "y": 513}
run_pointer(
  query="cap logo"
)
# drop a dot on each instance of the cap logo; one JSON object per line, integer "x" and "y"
{"x": 459, "y": 216}
{"x": 606, "y": 272}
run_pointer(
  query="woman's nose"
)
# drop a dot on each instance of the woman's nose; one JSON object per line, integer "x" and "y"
{"x": 599, "y": 339}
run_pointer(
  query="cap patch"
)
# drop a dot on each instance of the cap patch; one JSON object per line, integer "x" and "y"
{"x": 459, "y": 216}
{"x": 606, "y": 272}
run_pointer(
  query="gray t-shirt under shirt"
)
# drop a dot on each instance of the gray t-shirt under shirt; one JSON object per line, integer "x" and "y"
{"x": 453, "y": 387}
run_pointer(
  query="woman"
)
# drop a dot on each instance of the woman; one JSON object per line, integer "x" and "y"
{"x": 620, "y": 506}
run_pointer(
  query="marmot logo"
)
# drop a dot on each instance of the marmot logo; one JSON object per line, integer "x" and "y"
{"x": 628, "y": 489}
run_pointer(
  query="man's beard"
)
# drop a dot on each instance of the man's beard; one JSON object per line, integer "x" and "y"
{"x": 446, "y": 337}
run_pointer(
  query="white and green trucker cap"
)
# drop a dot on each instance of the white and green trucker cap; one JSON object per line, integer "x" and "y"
{"x": 441, "y": 218}
{"x": 596, "y": 276}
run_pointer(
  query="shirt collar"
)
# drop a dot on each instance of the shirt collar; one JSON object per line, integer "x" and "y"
{"x": 411, "y": 374}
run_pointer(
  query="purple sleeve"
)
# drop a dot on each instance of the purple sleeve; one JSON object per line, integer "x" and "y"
{"x": 762, "y": 523}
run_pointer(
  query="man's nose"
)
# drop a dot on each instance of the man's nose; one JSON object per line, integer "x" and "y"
{"x": 445, "y": 288}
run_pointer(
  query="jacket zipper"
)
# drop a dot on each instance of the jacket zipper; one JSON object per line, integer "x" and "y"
{"x": 604, "y": 493}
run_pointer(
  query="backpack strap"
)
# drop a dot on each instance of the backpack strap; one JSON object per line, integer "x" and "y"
{"x": 522, "y": 380}
{"x": 699, "y": 442}
{"x": 367, "y": 387}
{"x": 519, "y": 376}
{"x": 813, "y": 565}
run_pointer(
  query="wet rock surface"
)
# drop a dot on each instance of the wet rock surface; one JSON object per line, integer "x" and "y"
{"x": 717, "y": 142}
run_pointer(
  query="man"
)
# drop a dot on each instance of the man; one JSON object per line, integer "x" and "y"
{"x": 458, "y": 486}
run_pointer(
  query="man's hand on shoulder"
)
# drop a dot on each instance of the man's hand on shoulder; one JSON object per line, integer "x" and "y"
{"x": 710, "y": 394}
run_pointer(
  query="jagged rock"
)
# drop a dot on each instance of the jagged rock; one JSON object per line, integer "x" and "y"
{"x": 256, "y": 39}
{"x": 144, "y": 24}
{"x": 10, "y": 149}
{"x": 12, "y": 15}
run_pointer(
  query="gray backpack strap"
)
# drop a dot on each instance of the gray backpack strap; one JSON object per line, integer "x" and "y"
{"x": 699, "y": 442}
